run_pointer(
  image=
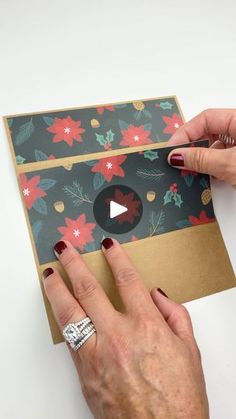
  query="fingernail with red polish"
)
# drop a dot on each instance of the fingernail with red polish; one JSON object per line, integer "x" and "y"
{"x": 107, "y": 243}
{"x": 60, "y": 247}
{"x": 162, "y": 292}
{"x": 47, "y": 272}
{"x": 177, "y": 160}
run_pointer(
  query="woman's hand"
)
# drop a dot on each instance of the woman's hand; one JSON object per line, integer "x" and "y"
{"x": 142, "y": 363}
{"x": 217, "y": 161}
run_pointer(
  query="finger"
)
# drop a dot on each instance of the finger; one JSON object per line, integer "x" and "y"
{"x": 135, "y": 296}
{"x": 86, "y": 288}
{"x": 176, "y": 316}
{"x": 215, "y": 162}
{"x": 65, "y": 307}
{"x": 206, "y": 124}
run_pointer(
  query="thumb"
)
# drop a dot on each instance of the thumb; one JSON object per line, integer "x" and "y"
{"x": 177, "y": 318}
{"x": 212, "y": 161}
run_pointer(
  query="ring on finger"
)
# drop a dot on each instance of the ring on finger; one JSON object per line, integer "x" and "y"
{"x": 76, "y": 334}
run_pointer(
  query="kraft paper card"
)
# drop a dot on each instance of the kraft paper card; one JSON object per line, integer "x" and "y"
{"x": 99, "y": 171}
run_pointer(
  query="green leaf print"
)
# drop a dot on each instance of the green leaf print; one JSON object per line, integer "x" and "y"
{"x": 168, "y": 197}
{"x": 20, "y": 159}
{"x": 110, "y": 136}
{"x": 152, "y": 174}
{"x": 166, "y": 105}
{"x": 24, "y": 133}
{"x": 177, "y": 199}
{"x": 156, "y": 221}
{"x": 151, "y": 155}
{"x": 98, "y": 181}
{"x": 48, "y": 120}
{"x": 75, "y": 192}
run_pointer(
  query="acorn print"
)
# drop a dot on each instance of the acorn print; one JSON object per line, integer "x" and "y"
{"x": 151, "y": 195}
{"x": 59, "y": 206}
{"x": 95, "y": 123}
{"x": 206, "y": 194}
{"x": 68, "y": 166}
{"x": 138, "y": 105}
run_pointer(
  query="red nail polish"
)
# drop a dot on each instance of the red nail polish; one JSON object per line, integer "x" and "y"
{"x": 107, "y": 243}
{"x": 177, "y": 160}
{"x": 60, "y": 247}
{"x": 47, "y": 272}
{"x": 162, "y": 292}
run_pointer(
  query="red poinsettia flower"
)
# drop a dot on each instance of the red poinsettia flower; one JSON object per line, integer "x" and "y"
{"x": 133, "y": 136}
{"x": 128, "y": 201}
{"x": 77, "y": 232}
{"x": 101, "y": 109}
{"x": 201, "y": 220}
{"x": 30, "y": 190}
{"x": 172, "y": 123}
{"x": 65, "y": 129}
{"x": 110, "y": 166}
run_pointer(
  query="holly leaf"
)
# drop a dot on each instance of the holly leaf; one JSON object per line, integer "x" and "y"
{"x": 177, "y": 199}
{"x": 100, "y": 139}
{"x": 40, "y": 206}
{"x": 166, "y": 105}
{"x": 20, "y": 159}
{"x": 189, "y": 180}
{"x": 98, "y": 181}
{"x": 168, "y": 197}
{"x": 151, "y": 155}
{"x": 148, "y": 127}
{"x": 110, "y": 136}
{"x": 10, "y": 122}
{"x": 123, "y": 125}
{"x": 46, "y": 184}
{"x": 40, "y": 156}
{"x": 24, "y": 133}
{"x": 183, "y": 223}
{"x": 48, "y": 120}
{"x": 36, "y": 229}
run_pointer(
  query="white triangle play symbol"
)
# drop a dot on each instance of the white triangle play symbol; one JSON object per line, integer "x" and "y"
{"x": 116, "y": 209}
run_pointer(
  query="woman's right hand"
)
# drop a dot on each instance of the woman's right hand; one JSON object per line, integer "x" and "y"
{"x": 218, "y": 160}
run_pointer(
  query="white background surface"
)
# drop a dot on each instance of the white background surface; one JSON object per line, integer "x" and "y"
{"x": 62, "y": 53}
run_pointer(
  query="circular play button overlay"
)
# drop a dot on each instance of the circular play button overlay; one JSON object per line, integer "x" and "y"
{"x": 117, "y": 209}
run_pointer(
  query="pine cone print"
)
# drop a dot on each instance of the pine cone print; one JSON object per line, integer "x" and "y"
{"x": 206, "y": 196}
{"x": 95, "y": 123}
{"x": 151, "y": 195}
{"x": 59, "y": 206}
{"x": 206, "y": 193}
{"x": 138, "y": 105}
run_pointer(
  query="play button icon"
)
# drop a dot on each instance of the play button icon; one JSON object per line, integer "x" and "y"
{"x": 117, "y": 209}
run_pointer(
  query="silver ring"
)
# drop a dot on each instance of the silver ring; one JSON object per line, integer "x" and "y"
{"x": 77, "y": 333}
{"x": 227, "y": 140}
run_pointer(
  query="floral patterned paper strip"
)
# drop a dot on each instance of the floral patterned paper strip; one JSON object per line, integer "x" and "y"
{"x": 60, "y": 201}
{"x": 67, "y": 133}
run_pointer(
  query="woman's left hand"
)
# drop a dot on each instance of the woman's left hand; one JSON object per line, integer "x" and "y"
{"x": 142, "y": 363}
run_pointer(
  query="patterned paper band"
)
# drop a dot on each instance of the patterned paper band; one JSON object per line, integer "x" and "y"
{"x": 62, "y": 202}
{"x": 52, "y": 135}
